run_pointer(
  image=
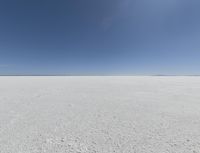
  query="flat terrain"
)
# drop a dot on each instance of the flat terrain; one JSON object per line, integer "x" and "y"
{"x": 100, "y": 114}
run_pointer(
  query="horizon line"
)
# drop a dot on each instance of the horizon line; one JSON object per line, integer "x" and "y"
{"x": 96, "y": 75}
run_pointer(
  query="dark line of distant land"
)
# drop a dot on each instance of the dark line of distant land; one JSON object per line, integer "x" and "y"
{"x": 158, "y": 75}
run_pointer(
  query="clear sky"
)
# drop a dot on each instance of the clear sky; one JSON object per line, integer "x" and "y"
{"x": 99, "y": 37}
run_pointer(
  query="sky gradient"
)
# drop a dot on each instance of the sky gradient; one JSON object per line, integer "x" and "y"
{"x": 69, "y": 37}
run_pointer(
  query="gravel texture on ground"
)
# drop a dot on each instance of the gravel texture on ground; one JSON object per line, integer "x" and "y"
{"x": 99, "y": 114}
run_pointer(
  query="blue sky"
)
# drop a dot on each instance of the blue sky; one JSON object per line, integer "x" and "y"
{"x": 99, "y": 37}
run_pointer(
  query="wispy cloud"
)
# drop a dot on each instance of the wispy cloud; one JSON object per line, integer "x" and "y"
{"x": 4, "y": 65}
{"x": 119, "y": 10}
{"x": 107, "y": 22}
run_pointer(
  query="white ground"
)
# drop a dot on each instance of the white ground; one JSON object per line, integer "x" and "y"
{"x": 99, "y": 114}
